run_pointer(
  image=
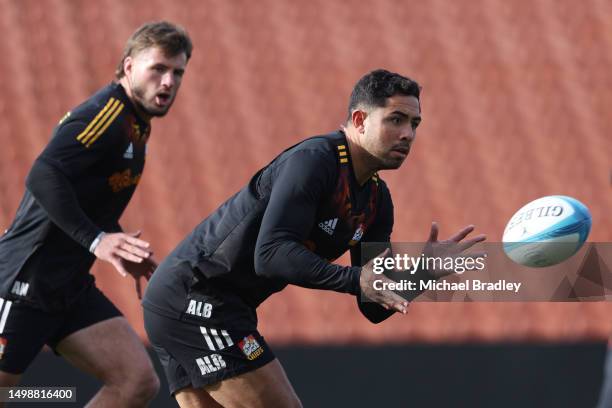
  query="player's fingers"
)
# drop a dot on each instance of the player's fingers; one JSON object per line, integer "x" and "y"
{"x": 471, "y": 242}
{"x": 398, "y": 307}
{"x": 394, "y": 301}
{"x": 137, "y": 242}
{"x": 135, "y": 234}
{"x": 474, "y": 255}
{"x": 116, "y": 262}
{"x": 384, "y": 253}
{"x": 433, "y": 233}
{"x": 370, "y": 265}
{"x": 462, "y": 234}
{"x": 128, "y": 256}
{"x": 135, "y": 250}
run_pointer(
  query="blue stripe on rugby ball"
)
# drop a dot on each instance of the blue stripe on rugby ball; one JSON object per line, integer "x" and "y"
{"x": 583, "y": 214}
{"x": 579, "y": 223}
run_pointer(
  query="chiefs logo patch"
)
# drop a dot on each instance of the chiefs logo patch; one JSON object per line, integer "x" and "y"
{"x": 3, "y": 343}
{"x": 250, "y": 347}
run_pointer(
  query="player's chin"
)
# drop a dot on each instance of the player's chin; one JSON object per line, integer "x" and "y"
{"x": 393, "y": 163}
{"x": 157, "y": 111}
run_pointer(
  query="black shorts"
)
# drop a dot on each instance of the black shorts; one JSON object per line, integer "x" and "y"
{"x": 25, "y": 329}
{"x": 215, "y": 339}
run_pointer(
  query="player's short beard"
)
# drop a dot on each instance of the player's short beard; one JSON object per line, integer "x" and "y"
{"x": 138, "y": 96}
{"x": 390, "y": 164}
{"x": 380, "y": 162}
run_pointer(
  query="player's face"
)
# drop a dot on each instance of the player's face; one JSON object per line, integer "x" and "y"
{"x": 154, "y": 79}
{"x": 390, "y": 131}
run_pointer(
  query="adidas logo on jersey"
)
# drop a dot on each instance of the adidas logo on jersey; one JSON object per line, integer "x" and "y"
{"x": 129, "y": 153}
{"x": 329, "y": 226}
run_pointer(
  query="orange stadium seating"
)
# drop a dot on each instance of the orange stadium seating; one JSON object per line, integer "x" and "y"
{"x": 513, "y": 109}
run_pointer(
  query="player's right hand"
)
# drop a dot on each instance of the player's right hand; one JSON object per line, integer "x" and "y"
{"x": 117, "y": 248}
{"x": 386, "y": 298}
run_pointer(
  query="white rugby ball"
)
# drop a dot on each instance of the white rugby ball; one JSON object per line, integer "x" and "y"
{"x": 547, "y": 231}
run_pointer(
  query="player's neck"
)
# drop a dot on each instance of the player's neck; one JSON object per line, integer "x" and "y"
{"x": 128, "y": 91}
{"x": 363, "y": 164}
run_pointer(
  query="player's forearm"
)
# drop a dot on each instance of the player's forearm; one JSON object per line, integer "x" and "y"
{"x": 293, "y": 263}
{"x": 54, "y": 192}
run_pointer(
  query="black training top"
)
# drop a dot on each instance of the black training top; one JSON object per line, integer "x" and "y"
{"x": 292, "y": 219}
{"x": 78, "y": 187}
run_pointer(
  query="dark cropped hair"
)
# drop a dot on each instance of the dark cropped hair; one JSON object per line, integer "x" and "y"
{"x": 171, "y": 38}
{"x": 373, "y": 89}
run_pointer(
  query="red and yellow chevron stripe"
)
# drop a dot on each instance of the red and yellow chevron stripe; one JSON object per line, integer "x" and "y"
{"x": 101, "y": 122}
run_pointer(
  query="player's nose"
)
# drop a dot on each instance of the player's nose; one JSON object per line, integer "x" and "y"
{"x": 167, "y": 80}
{"x": 408, "y": 134}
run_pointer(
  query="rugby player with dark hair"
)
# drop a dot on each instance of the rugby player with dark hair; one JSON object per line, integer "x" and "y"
{"x": 312, "y": 203}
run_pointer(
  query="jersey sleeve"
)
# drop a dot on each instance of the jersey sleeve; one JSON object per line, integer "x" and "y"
{"x": 379, "y": 232}
{"x": 301, "y": 181}
{"x": 75, "y": 147}
{"x": 78, "y": 144}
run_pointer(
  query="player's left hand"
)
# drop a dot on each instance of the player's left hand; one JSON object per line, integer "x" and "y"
{"x": 452, "y": 247}
{"x": 139, "y": 270}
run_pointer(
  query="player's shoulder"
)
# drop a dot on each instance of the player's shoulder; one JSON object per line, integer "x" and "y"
{"x": 104, "y": 112}
{"x": 322, "y": 149}
{"x": 328, "y": 143}
{"x": 316, "y": 154}
{"x": 104, "y": 107}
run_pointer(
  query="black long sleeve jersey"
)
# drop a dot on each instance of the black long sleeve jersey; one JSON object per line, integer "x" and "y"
{"x": 286, "y": 226}
{"x": 78, "y": 187}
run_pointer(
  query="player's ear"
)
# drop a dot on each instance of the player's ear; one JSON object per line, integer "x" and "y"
{"x": 128, "y": 63}
{"x": 358, "y": 118}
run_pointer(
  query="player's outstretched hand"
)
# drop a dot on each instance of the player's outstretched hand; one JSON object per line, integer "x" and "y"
{"x": 452, "y": 247}
{"x": 120, "y": 248}
{"x": 386, "y": 298}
